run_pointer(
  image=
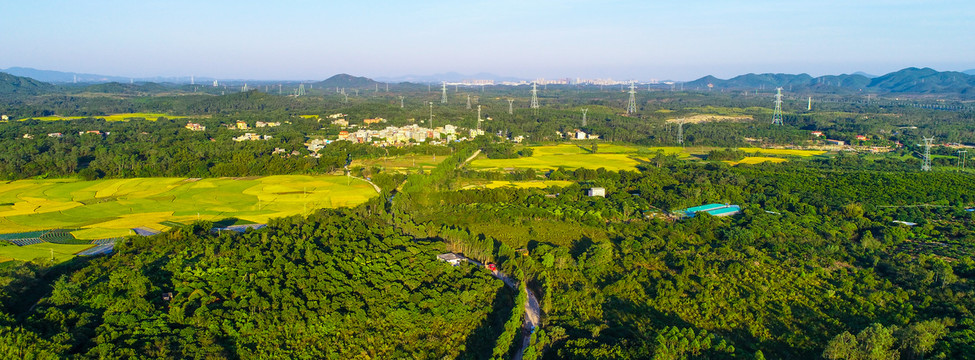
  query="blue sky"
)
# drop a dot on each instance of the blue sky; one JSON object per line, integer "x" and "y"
{"x": 641, "y": 40}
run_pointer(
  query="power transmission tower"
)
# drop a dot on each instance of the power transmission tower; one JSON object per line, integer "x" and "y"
{"x": 431, "y": 115}
{"x": 926, "y": 164}
{"x": 777, "y": 114}
{"x": 962, "y": 154}
{"x": 479, "y": 117}
{"x": 631, "y": 106}
{"x": 584, "y": 111}
{"x": 443, "y": 93}
{"x": 809, "y": 106}
{"x": 680, "y": 131}
{"x": 468, "y": 101}
{"x": 534, "y": 104}
{"x": 279, "y": 89}
{"x": 301, "y": 89}
{"x": 401, "y": 102}
{"x": 511, "y": 106}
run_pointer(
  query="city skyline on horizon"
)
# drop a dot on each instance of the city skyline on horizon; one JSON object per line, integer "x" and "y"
{"x": 541, "y": 39}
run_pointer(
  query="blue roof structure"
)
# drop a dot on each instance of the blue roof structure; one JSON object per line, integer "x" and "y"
{"x": 713, "y": 209}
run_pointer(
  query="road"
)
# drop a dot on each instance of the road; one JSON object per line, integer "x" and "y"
{"x": 532, "y": 311}
{"x": 476, "y": 153}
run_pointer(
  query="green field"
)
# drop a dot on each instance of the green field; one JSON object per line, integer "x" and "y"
{"x": 61, "y": 252}
{"x": 113, "y": 117}
{"x": 610, "y": 156}
{"x": 110, "y": 208}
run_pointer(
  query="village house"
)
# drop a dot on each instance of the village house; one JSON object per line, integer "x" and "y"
{"x": 195, "y": 127}
{"x": 252, "y": 137}
{"x": 451, "y": 258}
{"x": 817, "y": 133}
{"x": 241, "y": 125}
{"x": 261, "y": 124}
{"x": 373, "y": 121}
{"x": 55, "y": 135}
{"x": 596, "y": 191}
{"x": 341, "y": 122}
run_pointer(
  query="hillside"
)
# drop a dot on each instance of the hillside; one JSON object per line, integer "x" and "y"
{"x": 128, "y": 89}
{"x": 11, "y": 84}
{"x": 347, "y": 81}
{"x": 910, "y": 80}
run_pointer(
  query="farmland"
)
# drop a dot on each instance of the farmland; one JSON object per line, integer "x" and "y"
{"x": 110, "y": 208}
{"x": 804, "y": 153}
{"x": 525, "y": 184}
{"x": 113, "y": 117}
{"x": 61, "y": 252}
{"x": 610, "y": 156}
{"x": 756, "y": 160}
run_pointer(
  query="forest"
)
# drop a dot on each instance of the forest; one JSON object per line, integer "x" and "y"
{"x": 840, "y": 256}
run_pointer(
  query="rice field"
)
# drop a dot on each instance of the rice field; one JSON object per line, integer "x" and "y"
{"x": 525, "y": 184}
{"x": 613, "y": 157}
{"x": 803, "y": 153}
{"x": 756, "y": 160}
{"x": 60, "y": 252}
{"x": 111, "y": 208}
{"x": 113, "y": 117}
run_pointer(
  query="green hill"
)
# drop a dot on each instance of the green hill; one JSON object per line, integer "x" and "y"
{"x": 10, "y": 84}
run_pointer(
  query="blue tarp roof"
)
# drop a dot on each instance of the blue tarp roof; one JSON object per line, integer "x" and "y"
{"x": 713, "y": 209}
{"x": 705, "y": 208}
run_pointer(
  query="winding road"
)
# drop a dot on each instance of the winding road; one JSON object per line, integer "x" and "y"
{"x": 532, "y": 311}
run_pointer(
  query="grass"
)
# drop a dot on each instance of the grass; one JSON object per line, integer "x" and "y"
{"x": 756, "y": 160}
{"x": 62, "y": 252}
{"x": 110, "y": 208}
{"x": 804, "y": 153}
{"x": 113, "y": 117}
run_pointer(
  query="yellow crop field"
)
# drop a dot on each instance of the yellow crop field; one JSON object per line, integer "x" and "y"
{"x": 756, "y": 160}
{"x": 612, "y": 162}
{"x": 110, "y": 208}
{"x": 783, "y": 151}
{"x": 613, "y": 157}
{"x": 112, "y": 117}
{"x": 528, "y": 184}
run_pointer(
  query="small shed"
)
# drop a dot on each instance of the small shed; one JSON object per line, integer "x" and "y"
{"x": 596, "y": 191}
{"x": 451, "y": 258}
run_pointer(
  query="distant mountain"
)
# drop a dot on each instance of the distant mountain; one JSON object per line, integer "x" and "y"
{"x": 11, "y": 84}
{"x": 925, "y": 81}
{"x": 448, "y": 77}
{"x": 861, "y": 73}
{"x": 910, "y": 80}
{"x": 751, "y": 81}
{"x": 347, "y": 81}
{"x": 61, "y": 76}
{"x": 969, "y": 71}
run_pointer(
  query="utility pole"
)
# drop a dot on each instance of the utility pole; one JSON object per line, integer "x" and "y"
{"x": 584, "y": 111}
{"x": 511, "y": 108}
{"x": 431, "y": 115}
{"x": 401, "y": 102}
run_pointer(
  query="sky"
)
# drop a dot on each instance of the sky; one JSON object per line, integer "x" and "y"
{"x": 624, "y": 40}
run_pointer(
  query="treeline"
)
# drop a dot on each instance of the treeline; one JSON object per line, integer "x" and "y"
{"x": 814, "y": 255}
{"x": 331, "y": 286}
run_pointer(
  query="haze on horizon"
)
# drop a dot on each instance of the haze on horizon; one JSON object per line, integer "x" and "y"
{"x": 622, "y": 39}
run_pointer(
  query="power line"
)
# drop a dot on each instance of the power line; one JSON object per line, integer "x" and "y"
{"x": 443, "y": 93}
